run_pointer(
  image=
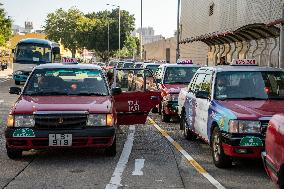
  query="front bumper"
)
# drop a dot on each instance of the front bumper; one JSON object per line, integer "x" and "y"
{"x": 170, "y": 107}
{"x": 231, "y": 146}
{"x": 101, "y": 137}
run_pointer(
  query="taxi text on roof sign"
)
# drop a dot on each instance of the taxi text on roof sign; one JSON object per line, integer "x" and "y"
{"x": 184, "y": 62}
{"x": 69, "y": 60}
{"x": 248, "y": 62}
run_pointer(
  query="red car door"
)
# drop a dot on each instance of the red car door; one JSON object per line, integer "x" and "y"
{"x": 134, "y": 104}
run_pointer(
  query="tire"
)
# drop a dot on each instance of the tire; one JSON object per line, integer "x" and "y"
{"x": 155, "y": 110}
{"x": 111, "y": 151}
{"x": 187, "y": 133}
{"x": 165, "y": 118}
{"x": 159, "y": 109}
{"x": 13, "y": 154}
{"x": 17, "y": 82}
{"x": 220, "y": 159}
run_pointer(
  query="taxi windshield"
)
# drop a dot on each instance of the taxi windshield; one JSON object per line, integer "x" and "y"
{"x": 179, "y": 74}
{"x": 153, "y": 68}
{"x": 256, "y": 85}
{"x": 66, "y": 81}
{"x": 128, "y": 65}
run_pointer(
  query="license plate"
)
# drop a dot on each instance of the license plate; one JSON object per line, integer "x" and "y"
{"x": 60, "y": 139}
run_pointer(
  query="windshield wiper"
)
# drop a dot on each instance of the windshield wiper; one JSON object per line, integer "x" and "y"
{"x": 46, "y": 93}
{"x": 88, "y": 94}
{"x": 177, "y": 82}
{"x": 242, "y": 98}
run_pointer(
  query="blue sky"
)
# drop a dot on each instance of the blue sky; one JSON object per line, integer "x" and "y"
{"x": 160, "y": 14}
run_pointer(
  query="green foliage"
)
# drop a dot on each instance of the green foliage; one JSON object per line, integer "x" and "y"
{"x": 6, "y": 27}
{"x": 68, "y": 27}
{"x": 76, "y": 30}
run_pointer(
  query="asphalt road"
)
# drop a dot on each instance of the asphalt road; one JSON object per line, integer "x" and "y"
{"x": 146, "y": 158}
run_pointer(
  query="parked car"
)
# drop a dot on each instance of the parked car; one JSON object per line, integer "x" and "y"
{"x": 273, "y": 157}
{"x": 229, "y": 107}
{"x": 69, "y": 105}
{"x": 171, "y": 78}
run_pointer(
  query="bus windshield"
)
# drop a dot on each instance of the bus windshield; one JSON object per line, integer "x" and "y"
{"x": 33, "y": 53}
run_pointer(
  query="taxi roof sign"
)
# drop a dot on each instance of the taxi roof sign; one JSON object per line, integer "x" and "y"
{"x": 184, "y": 61}
{"x": 244, "y": 62}
{"x": 66, "y": 60}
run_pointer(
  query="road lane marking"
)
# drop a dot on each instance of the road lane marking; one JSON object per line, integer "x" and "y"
{"x": 115, "y": 180}
{"x": 188, "y": 157}
{"x": 139, "y": 164}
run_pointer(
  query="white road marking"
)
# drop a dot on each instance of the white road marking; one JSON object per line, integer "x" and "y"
{"x": 139, "y": 164}
{"x": 115, "y": 180}
{"x": 190, "y": 159}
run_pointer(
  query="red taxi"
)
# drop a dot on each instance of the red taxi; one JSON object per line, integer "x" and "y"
{"x": 71, "y": 106}
{"x": 171, "y": 78}
{"x": 273, "y": 157}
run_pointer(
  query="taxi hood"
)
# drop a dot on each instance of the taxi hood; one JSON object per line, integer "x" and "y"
{"x": 173, "y": 88}
{"x": 246, "y": 109}
{"x": 31, "y": 104}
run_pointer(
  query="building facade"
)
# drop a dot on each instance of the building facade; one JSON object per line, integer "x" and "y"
{"x": 246, "y": 23}
{"x": 210, "y": 29}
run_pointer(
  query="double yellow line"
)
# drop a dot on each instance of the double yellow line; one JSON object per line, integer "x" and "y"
{"x": 188, "y": 157}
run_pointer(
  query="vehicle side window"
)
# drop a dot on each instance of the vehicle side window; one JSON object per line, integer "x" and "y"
{"x": 192, "y": 83}
{"x": 158, "y": 75}
{"x": 198, "y": 83}
{"x": 207, "y": 83}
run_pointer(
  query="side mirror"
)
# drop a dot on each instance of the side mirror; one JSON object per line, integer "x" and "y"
{"x": 202, "y": 94}
{"x": 15, "y": 90}
{"x": 116, "y": 91}
{"x": 13, "y": 51}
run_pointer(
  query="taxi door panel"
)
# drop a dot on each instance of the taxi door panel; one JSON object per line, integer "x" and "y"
{"x": 202, "y": 107}
{"x": 135, "y": 101}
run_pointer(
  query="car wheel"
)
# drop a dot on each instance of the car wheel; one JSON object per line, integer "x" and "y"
{"x": 187, "y": 133}
{"x": 111, "y": 151}
{"x": 220, "y": 159}
{"x": 17, "y": 82}
{"x": 13, "y": 154}
{"x": 165, "y": 117}
{"x": 155, "y": 110}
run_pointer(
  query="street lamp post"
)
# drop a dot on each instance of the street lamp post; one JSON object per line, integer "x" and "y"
{"x": 281, "y": 41}
{"x": 178, "y": 32}
{"x": 141, "y": 56}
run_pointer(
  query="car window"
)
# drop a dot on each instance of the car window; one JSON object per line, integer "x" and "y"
{"x": 66, "y": 81}
{"x": 249, "y": 85}
{"x": 207, "y": 83}
{"x": 196, "y": 86}
{"x": 179, "y": 74}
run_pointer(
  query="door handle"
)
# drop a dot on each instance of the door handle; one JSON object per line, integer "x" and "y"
{"x": 154, "y": 97}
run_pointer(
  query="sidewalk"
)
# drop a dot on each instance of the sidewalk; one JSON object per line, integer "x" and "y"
{"x": 6, "y": 73}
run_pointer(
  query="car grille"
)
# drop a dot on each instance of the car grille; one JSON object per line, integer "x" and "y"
{"x": 60, "y": 121}
{"x": 263, "y": 128}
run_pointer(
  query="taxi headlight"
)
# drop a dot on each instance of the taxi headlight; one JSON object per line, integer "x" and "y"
{"x": 100, "y": 120}
{"x": 24, "y": 121}
{"x": 244, "y": 126}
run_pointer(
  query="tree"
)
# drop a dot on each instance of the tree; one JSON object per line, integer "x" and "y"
{"x": 68, "y": 27}
{"x": 6, "y": 27}
{"x": 131, "y": 47}
{"x": 98, "y": 36}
